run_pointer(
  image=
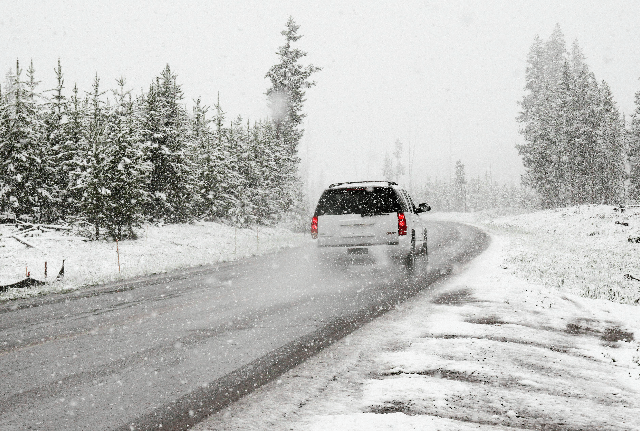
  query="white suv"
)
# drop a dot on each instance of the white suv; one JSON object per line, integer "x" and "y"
{"x": 359, "y": 215}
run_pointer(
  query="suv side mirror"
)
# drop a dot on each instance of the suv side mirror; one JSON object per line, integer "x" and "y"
{"x": 424, "y": 207}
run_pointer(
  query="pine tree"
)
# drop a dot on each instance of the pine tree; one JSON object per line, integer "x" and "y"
{"x": 125, "y": 173}
{"x": 539, "y": 115}
{"x": 261, "y": 164}
{"x": 267, "y": 173}
{"x": 42, "y": 172}
{"x": 219, "y": 176}
{"x": 289, "y": 82}
{"x": 165, "y": 130}
{"x": 460, "y": 187}
{"x": 388, "y": 172}
{"x": 633, "y": 138}
{"x": 92, "y": 179}
{"x": 567, "y": 140}
{"x": 62, "y": 155}
{"x": 610, "y": 160}
{"x": 21, "y": 155}
{"x": 397, "y": 154}
{"x": 5, "y": 179}
{"x": 241, "y": 165}
{"x": 201, "y": 136}
{"x": 74, "y": 155}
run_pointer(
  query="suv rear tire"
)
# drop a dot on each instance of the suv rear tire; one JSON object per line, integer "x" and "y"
{"x": 425, "y": 246}
{"x": 411, "y": 257}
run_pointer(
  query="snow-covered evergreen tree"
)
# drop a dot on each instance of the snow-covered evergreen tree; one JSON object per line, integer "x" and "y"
{"x": 126, "y": 173}
{"x": 23, "y": 188}
{"x": 610, "y": 162}
{"x": 256, "y": 176}
{"x": 165, "y": 129}
{"x": 540, "y": 155}
{"x": 289, "y": 82}
{"x": 92, "y": 179}
{"x": 634, "y": 151}
{"x": 42, "y": 173}
{"x": 62, "y": 155}
{"x": 74, "y": 155}
{"x": 240, "y": 165}
{"x": 263, "y": 177}
{"x": 200, "y": 136}
{"x": 460, "y": 185}
{"x": 398, "y": 154}
{"x": 219, "y": 177}
{"x": 388, "y": 173}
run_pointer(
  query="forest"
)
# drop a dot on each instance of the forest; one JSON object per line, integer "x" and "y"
{"x": 113, "y": 160}
{"x": 578, "y": 148}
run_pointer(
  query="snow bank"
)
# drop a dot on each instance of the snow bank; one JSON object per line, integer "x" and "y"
{"x": 159, "y": 249}
{"x": 584, "y": 250}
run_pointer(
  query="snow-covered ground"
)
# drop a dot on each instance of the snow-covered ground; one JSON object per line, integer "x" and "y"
{"x": 158, "y": 249}
{"x": 583, "y": 250}
{"x": 508, "y": 342}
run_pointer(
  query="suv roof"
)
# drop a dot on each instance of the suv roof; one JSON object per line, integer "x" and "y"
{"x": 363, "y": 183}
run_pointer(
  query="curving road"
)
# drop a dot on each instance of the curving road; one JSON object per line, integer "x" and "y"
{"x": 163, "y": 352}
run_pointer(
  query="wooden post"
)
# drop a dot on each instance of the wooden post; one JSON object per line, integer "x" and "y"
{"x": 118, "y": 252}
{"x": 45, "y": 269}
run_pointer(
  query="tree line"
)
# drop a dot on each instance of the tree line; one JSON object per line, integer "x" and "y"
{"x": 114, "y": 160}
{"x": 460, "y": 194}
{"x": 578, "y": 148}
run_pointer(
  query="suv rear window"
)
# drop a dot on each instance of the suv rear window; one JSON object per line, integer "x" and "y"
{"x": 363, "y": 201}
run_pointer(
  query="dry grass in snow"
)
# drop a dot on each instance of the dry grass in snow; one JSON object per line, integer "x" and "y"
{"x": 584, "y": 250}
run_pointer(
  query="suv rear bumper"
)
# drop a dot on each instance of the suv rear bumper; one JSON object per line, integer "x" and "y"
{"x": 397, "y": 249}
{"x": 362, "y": 241}
{"x": 359, "y": 244}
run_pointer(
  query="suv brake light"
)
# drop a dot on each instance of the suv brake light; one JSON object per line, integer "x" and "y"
{"x": 402, "y": 224}
{"x": 314, "y": 227}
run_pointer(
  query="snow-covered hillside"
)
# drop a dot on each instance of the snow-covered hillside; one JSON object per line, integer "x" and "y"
{"x": 159, "y": 249}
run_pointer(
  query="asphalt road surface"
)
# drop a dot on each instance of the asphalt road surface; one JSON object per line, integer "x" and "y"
{"x": 163, "y": 352}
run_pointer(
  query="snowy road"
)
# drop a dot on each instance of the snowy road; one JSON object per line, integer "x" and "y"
{"x": 163, "y": 352}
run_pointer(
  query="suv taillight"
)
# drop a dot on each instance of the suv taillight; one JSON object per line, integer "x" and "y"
{"x": 314, "y": 227}
{"x": 402, "y": 224}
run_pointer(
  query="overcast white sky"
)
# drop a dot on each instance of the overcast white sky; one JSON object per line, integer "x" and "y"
{"x": 443, "y": 77}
